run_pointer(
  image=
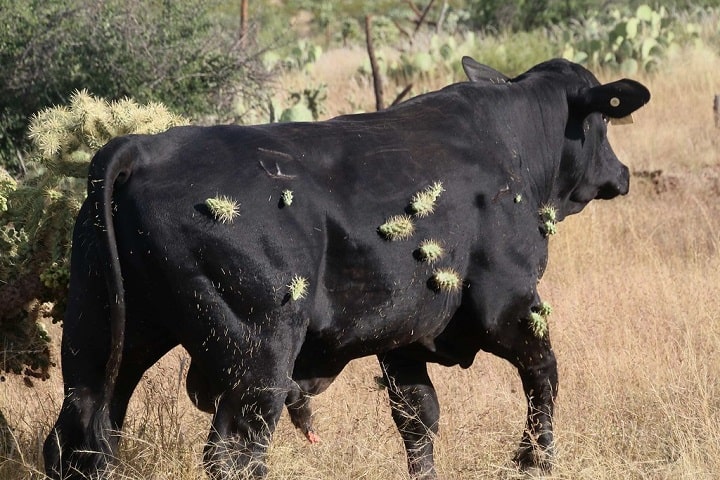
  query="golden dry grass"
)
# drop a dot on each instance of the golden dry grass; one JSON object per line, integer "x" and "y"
{"x": 635, "y": 285}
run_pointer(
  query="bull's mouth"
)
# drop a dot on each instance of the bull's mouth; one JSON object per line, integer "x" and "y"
{"x": 609, "y": 191}
{"x": 612, "y": 189}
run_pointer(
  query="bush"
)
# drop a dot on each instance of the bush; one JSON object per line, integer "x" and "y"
{"x": 172, "y": 52}
{"x": 37, "y": 218}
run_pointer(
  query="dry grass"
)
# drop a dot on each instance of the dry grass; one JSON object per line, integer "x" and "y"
{"x": 636, "y": 327}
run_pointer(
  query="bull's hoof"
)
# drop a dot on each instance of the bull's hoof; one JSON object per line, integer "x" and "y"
{"x": 533, "y": 460}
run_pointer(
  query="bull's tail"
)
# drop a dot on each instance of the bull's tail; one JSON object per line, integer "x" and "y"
{"x": 110, "y": 168}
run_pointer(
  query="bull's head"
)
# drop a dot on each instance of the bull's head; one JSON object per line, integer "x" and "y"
{"x": 589, "y": 168}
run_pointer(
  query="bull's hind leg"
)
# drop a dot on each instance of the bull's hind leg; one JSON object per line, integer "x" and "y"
{"x": 248, "y": 367}
{"x": 415, "y": 409}
{"x": 81, "y": 444}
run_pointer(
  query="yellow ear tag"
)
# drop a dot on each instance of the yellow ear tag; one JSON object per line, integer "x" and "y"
{"x": 627, "y": 120}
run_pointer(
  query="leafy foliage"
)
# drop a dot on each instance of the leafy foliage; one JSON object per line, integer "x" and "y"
{"x": 177, "y": 53}
{"x": 37, "y": 217}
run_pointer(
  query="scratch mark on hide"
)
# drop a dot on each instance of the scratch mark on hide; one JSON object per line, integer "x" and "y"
{"x": 278, "y": 173}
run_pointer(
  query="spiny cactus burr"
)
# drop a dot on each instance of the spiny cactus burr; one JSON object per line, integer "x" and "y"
{"x": 539, "y": 319}
{"x": 538, "y": 324}
{"x": 431, "y": 250}
{"x": 548, "y": 215}
{"x": 287, "y": 197}
{"x": 423, "y": 202}
{"x": 447, "y": 280}
{"x": 397, "y": 227}
{"x": 223, "y": 208}
{"x": 298, "y": 287}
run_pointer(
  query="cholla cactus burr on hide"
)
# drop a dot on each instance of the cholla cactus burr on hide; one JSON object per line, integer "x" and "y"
{"x": 423, "y": 202}
{"x": 539, "y": 319}
{"x": 548, "y": 215}
{"x": 397, "y": 227}
{"x": 287, "y": 197}
{"x": 431, "y": 250}
{"x": 447, "y": 280}
{"x": 298, "y": 287}
{"x": 223, "y": 208}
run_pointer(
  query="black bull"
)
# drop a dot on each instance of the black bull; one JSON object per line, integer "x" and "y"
{"x": 484, "y": 168}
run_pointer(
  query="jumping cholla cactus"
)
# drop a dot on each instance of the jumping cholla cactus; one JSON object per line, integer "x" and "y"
{"x": 37, "y": 217}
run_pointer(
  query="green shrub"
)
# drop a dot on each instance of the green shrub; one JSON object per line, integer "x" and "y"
{"x": 172, "y": 52}
{"x": 37, "y": 218}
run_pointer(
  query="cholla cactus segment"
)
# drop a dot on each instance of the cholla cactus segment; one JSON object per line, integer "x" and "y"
{"x": 223, "y": 208}
{"x": 545, "y": 309}
{"x": 423, "y": 202}
{"x": 287, "y": 197}
{"x": 431, "y": 250}
{"x": 518, "y": 198}
{"x": 7, "y": 186}
{"x": 548, "y": 215}
{"x": 298, "y": 287}
{"x": 447, "y": 279}
{"x": 538, "y": 319}
{"x": 88, "y": 123}
{"x": 550, "y": 228}
{"x": 538, "y": 324}
{"x": 397, "y": 227}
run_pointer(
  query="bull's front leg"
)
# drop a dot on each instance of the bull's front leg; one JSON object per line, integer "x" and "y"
{"x": 415, "y": 409}
{"x": 538, "y": 372}
{"x": 525, "y": 342}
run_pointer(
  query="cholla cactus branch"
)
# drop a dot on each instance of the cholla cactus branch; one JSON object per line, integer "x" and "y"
{"x": 287, "y": 197}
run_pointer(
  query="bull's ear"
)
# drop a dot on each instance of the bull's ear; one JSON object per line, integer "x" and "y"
{"x": 616, "y": 100}
{"x": 477, "y": 72}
